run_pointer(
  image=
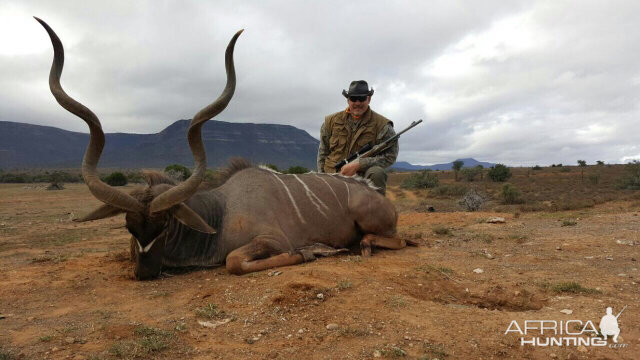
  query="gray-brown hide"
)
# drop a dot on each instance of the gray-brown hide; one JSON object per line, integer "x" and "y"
{"x": 257, "y": 219}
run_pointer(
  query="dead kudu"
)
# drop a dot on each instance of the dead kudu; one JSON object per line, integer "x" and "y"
{"x": 257, "y": 219}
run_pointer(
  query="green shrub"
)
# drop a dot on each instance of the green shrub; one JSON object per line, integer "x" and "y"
{"x": 572, "y": 287}
{"x": 499, "y": 173}
{"x": 116, "y": 179}
{"x": 297, "y": 170}
{"x": 272, "y": 167}
{"x": 631, "y": 179}
{"x": 420, "y": 180}
{"x": 178, "y": 172}
{"x": 470, "y": 174}
{"x": 537, "y": 167}
{"x": 511, "y": 195}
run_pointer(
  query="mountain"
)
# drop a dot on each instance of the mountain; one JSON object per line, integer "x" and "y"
{"x": 468, "y": 162}
{"x": 29, "y": 146}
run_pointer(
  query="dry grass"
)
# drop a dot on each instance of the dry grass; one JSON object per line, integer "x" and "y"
{"x": 548, "y": 189}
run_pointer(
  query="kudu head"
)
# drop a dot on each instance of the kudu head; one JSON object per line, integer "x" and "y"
{"x": 148, "y": 211}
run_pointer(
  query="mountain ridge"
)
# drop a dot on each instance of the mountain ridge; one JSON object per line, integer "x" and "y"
{"x": 27, "y": 146}
{"x": 468, "y": 162}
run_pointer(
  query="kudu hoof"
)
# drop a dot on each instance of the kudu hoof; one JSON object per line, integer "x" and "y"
{"x": 309, "y": 253}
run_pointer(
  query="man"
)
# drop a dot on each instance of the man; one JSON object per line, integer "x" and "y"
{"x": 345, "y": 132}
{"x": 609, "y": 325}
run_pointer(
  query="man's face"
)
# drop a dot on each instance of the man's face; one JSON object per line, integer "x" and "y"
{"x": 358, "y": 104}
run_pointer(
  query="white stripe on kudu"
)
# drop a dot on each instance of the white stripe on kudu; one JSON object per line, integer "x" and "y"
{"x": 295, "y": 206}
{"x": 146, "y": 248}
{"x": 330, "y": 188}
{"x": 313, "y": 197}
{"x": 347, "y": 185}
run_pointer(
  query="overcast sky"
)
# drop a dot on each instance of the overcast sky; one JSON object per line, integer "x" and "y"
{"x": 515, "y": 82}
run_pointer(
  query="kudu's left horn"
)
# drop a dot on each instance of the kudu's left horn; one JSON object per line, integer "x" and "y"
{"x": 99, "y": 189}
{"x": 186, "y": 189}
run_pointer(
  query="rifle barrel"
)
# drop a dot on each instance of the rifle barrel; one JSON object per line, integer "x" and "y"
{"x": 621, "y": 311}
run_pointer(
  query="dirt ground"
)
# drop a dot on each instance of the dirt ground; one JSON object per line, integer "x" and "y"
{"x": 67, "y": 289}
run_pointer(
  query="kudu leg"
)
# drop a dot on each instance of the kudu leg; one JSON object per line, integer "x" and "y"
{"x": 371, "y": 240}
{"x": 260, "y": 254}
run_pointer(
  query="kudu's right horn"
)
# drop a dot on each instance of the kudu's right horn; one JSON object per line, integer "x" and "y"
{"x": 99, "y": 189}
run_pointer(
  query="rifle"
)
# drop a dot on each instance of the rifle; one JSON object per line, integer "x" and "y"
{"x": 367, "y": 150}
{"x": 623, "y": 309}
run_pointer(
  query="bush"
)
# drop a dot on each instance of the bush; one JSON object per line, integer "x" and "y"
{"x": 420, "y": 180}
{"x": 272, "y": 167}
{"x": 178, "y": 172}
{"x": 135, "y": 177}
{"x": 15, "y": 178}
{"x": 511, "y": 195}
{"x": 469, "y": 174}
{"x": 471, "y": 201}
{"x": 499, "y": 173}
{"x": 448, "y": 190}
{"x": 116, "y": 179}
{"x": 297, "y": 170}
{"x": 631, "y": 180}
{"x": 537, "y": 167}
{"x": 46, "y": 177}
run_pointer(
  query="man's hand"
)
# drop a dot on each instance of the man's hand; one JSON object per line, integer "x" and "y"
{"x": 351, "y": 168}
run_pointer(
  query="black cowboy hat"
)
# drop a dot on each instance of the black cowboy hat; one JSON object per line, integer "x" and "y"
{"x": 358, "y": 88}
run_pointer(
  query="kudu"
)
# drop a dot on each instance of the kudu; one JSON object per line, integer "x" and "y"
{"x": 257, "y": 219}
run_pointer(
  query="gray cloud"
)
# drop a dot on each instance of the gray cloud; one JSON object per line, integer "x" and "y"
{"x": 521, "y": 82}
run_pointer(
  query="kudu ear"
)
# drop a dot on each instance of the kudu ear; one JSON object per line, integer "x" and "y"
{"x": 102, "y": 212}
{"x": 190, "y": 218}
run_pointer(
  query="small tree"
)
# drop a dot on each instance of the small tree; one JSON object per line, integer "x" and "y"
{"x": 599, "y": 162}
{"x": 116, "y": 179}
{"x": 178, "y": 172}
{"x": 297, "y": 170}
{"x": 480, "y": 170}
{"x": 272, "y": 167}
{"x": 582, "y": 164}
{"x": 499, "y": 173}
{"x": 457, "y": 165}
{"x": 56, "y": 181}
{"x": 537, "y": 167}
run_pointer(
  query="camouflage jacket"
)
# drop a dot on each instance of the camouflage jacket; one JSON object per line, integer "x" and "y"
{"x": 384, "y": 159}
